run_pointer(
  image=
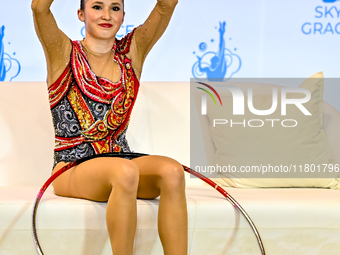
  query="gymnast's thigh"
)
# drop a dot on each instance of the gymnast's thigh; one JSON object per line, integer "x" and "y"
{"x": 95, "y": 178}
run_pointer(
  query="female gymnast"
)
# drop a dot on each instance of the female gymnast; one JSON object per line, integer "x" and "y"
{"x": 92, "y": 87}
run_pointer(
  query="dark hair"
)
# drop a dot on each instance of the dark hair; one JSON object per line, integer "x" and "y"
{"x": 82, "y": 4}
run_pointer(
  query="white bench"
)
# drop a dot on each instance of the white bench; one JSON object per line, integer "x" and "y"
{"x": 290, "y": 221}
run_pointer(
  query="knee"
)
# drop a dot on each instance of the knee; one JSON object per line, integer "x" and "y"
{"x": 126, "y": 177}
{"x": 172, "y": 175}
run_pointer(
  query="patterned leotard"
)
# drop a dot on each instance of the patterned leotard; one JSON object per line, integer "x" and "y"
{"x": 91, "y": 114}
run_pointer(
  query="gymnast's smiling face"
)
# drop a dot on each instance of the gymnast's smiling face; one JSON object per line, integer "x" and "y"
{"x": 102, "y": 18}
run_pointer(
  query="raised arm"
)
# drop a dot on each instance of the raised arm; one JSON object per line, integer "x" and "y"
{"x": 153, "y": 28}
{"x": 56, "y": 44}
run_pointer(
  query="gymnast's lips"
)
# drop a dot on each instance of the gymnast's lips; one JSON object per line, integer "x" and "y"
{"x": 106, "y": 25}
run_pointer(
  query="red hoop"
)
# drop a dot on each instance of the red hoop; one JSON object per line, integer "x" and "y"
{"x": 136, "y": 155}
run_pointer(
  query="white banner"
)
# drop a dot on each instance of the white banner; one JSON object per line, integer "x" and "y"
{"x": 216, "y": 38}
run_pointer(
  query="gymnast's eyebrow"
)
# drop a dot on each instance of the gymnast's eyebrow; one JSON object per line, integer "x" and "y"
{"x": 97, "y": 2}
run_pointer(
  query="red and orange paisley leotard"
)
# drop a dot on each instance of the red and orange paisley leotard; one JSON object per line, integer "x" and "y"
{"x": 91, "y": 114}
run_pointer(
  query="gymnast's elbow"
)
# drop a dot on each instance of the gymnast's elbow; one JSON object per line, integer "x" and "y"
{"x": 37, "y": 6}
{"x": 169, "y": 3}
{"x": 34, "y": 5}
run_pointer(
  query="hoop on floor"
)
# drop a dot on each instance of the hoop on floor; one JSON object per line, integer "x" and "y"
{"x": 136, "y": 155}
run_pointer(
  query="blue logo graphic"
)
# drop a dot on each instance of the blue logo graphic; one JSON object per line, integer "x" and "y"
{"x": 223, "y": 64}
{"x": 330, "y": 1}
{"x": 9, "y": 66}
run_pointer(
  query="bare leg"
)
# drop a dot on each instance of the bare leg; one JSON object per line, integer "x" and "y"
{"x": 120, "y": 181}
{"x": 165, "y": 177}
{"x": 107, "y": 179}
